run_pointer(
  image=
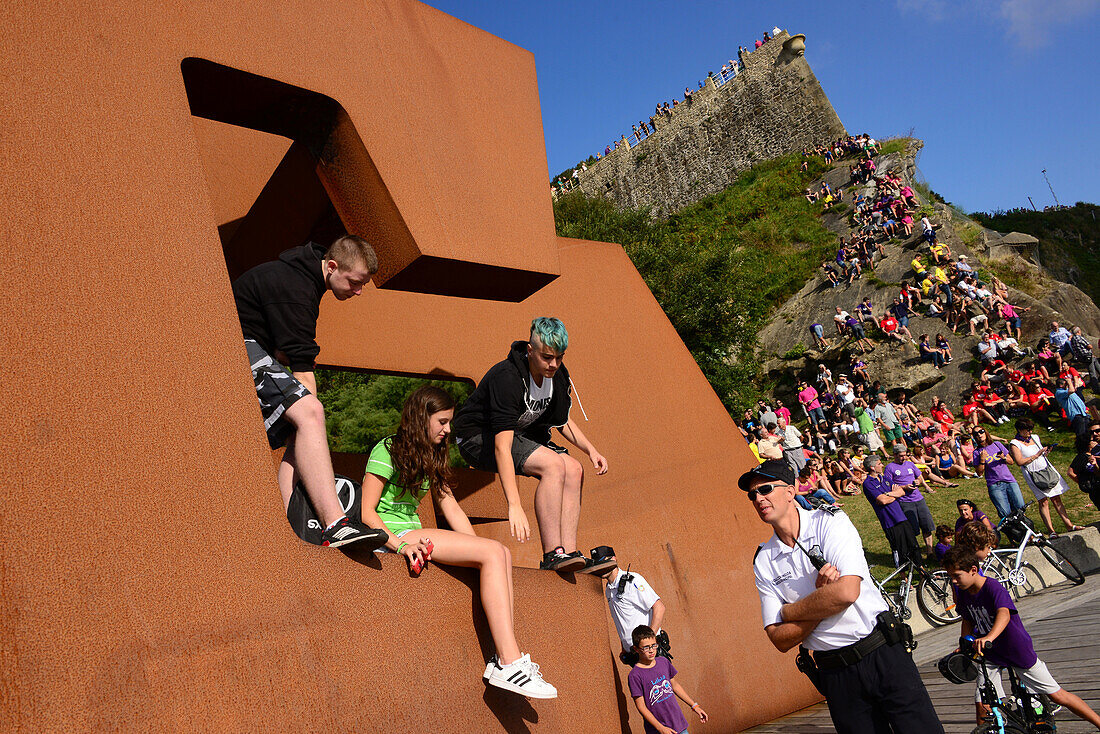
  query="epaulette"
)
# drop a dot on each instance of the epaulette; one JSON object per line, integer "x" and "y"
{"x": 829, "y": 509}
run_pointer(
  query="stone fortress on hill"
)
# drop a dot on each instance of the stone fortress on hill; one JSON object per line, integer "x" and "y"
{"x": 775, "y": 105}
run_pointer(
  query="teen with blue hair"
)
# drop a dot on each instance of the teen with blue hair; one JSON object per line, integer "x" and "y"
{"x": 504, "y": 427}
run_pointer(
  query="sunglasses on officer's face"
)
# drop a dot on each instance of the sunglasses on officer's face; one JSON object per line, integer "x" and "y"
{"x": 763, "y": 490}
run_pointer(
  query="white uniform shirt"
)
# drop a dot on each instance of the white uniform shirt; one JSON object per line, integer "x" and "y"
{"x": 632, "y": 607}
{"x": 785, "y": 575}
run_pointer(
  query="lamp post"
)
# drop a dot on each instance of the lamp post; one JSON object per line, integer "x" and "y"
{"x": 1057, "y": 203}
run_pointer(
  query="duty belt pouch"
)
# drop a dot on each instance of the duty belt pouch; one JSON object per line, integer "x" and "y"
{"x": 894, "y": 631}
{"x": 805, "y": 663}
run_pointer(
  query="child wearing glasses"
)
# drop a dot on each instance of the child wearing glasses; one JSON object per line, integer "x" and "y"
{"x": 653, "y": 687}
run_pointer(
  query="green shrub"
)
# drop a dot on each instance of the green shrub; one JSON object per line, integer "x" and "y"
{"x": 721, "y": 266}
{"x": 796, "y": 352}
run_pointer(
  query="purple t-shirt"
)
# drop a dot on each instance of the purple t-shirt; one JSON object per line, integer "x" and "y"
{"x": 654, "y": 685}
{"x": 941, "y": 550}
{"x": 996, "y": 469}
{"x": 1013, "y": 646}
{"x": 904, "y": 474}
{"x": 888, "y": 515}
{"x": 978, "y": 515}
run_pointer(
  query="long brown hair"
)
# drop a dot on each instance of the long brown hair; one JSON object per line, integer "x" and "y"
{"x": 415, "y": 457}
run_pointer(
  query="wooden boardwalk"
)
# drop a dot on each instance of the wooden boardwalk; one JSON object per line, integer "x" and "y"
{"x": 1063, "y": 622}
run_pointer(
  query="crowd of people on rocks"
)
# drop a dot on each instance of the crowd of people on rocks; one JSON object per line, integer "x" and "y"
{"x": 643, "y": 129}
{"x": 852, "y": 417}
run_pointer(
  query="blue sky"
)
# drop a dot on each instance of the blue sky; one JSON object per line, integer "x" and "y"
{"x": 997, "y": 89}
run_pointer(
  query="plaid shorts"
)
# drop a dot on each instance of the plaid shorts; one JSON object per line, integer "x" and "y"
{"x": 277, "y": 390}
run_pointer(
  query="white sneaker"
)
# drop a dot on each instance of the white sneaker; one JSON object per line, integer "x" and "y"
{"x": 494, "y": 662}
{"x": 521, "y": 677}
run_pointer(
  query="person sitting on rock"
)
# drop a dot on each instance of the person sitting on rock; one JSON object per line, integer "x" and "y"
{"x": 504, "y": 427}
{"x": 402, "y": 470}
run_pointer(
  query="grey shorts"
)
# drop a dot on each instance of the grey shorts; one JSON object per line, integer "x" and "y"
{"x": 480, "y": 456}
{"x": 277, "y": 390}
{"x": 919, "y": 517}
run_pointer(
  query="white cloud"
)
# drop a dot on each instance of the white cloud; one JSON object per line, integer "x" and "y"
{"x": 1031, "y": 22}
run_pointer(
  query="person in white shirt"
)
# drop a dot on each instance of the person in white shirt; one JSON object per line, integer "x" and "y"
{"x": 816, "y": 593}
{"x": 632, "y": 602}
{"x": 840, "y": 319}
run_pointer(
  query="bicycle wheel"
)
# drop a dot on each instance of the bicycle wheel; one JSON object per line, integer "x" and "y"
{"x": 1061, "y": 563}
{"x": 935, "y": 599}
{"x": 1010, "y": 727}
{"x": 1024, "y": 580}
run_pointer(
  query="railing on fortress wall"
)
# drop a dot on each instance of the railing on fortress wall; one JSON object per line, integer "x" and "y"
{"x": 718, "y": 79}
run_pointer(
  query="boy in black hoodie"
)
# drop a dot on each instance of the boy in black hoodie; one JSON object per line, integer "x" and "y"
{"x": 504, "y": 427}
{"x": 278, "y": 304}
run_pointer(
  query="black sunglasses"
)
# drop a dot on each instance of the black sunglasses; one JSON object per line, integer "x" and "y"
{"x": 763, "y": 490}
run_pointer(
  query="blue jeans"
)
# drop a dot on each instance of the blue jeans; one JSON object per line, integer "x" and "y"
{"x": 1006, "y": 497}
{"x": 820, "y": 494}
{"x": 817, "y": 415}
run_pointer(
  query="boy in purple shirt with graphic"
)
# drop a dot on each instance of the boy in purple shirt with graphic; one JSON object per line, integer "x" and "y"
{"x": 654, "y": 689}
{"x": 990, "y": 616}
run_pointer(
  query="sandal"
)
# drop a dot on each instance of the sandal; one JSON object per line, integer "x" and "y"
{"x": 952, "y": 485}
{"x": 1074, "y": 528}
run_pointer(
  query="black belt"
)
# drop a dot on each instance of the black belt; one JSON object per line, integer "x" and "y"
{"x": 849, "y": 654}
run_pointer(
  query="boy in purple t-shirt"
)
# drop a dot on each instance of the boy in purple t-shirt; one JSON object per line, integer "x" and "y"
{"x": 989, "y": 615}
{"x": 654, "y": 688}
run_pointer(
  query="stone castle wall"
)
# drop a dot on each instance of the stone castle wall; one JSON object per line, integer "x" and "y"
{"x": 774, "y": 106}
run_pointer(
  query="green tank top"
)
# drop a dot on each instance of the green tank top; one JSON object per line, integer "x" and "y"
{"x": 397, "y": 506}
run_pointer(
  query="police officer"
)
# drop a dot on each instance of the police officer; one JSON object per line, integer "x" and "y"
{"x": 815, "y": 592}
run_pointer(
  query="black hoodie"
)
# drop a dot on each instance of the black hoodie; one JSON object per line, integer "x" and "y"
{"x": 500, "y": 399}
{"x": 278, "y": 303}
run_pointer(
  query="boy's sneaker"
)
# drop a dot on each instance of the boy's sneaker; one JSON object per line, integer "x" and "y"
{"x": 345, "y": 531}
{"x": 559, "y": 560}
{"x": 522, "y": 677}
{"x": 602, "y": 559}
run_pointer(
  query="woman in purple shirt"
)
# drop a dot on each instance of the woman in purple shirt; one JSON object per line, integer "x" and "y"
{"x": 991, "y": 459}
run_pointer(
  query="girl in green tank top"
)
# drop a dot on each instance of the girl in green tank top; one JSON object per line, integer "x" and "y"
{"x": 412, "y": 463}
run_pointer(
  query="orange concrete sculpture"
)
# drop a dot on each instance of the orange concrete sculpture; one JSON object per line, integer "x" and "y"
{"x": 149, "y": 579}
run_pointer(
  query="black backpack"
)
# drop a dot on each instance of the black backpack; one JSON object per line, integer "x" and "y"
{"x": 303, "y": 518}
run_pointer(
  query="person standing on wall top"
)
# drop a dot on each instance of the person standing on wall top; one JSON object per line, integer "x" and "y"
{"x": 816, "y": 593}
{"x": 278, "y": 303}
{"x": 504, "y": 427}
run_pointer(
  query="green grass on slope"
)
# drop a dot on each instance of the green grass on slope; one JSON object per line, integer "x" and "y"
{"x": 722, "y": 266}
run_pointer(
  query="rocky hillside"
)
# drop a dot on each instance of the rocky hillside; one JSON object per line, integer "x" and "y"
{"x": 784, "y": 341}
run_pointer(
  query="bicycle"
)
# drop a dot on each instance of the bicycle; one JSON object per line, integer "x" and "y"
{"x": 1021, "y": 713}
{"x": 1019, "y": 529}
{"x": 934, "y": 597}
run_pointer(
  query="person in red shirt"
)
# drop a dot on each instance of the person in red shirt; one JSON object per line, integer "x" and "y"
{"x": 990, "y": 400}
{"x": 942, "y": 415}
{"x": 973, "y": 412}
{"x": 891, "y": 329}
{"x": 995, "y": 370}
{"x": 1073, "y": 377}
{"x": 1041, "y": 401}
{"x": 1036, "y": 373}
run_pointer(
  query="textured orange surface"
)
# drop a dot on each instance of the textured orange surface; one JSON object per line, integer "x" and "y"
{"x": 149, "y": 579}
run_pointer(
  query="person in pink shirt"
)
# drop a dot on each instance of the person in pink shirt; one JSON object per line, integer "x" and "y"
{"x": 1013, "y": 320}
{"x": 807, "y": 395}
{"x": 782, "y": 410}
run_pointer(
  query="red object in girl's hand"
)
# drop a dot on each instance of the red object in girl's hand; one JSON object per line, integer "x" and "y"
{"x": 416, "y": 566}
